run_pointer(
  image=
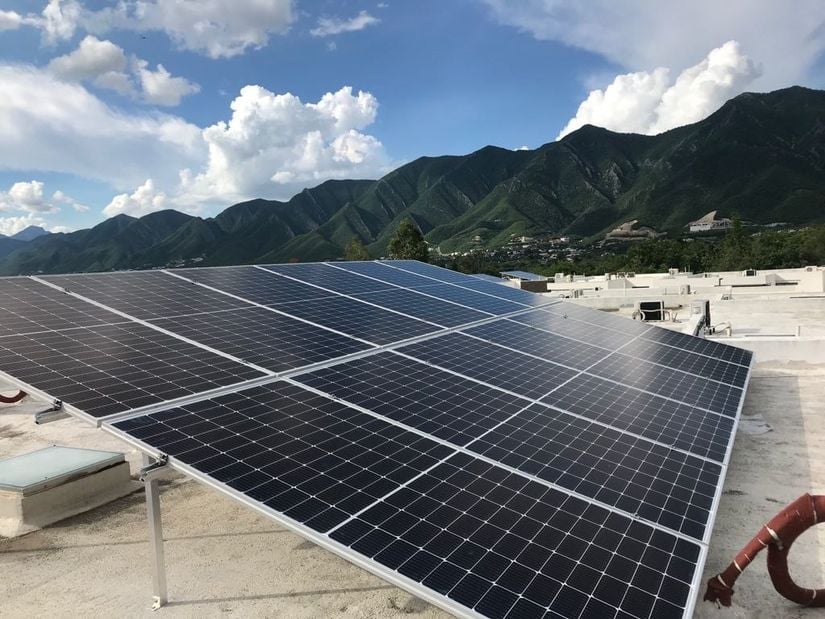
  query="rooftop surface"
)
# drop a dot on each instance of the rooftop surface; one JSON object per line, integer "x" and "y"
{"x": 224, "y": 558}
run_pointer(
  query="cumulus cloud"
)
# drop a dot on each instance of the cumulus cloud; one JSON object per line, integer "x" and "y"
{"x": 58, "y": 20}
{"x": 14, "y": 224}
{"x": 216, "y": 28}
{"x": 328, "y": 26}
{"x": 61, "y": 198}
{"x": 91, "y": 59}
{"x": 275, "y": 144}
{"x": 144, "y": 200}
{"x": 26, "y": 196}
{"x": 640, "y": 35}
{"x": 160, "y": 88}
{"x": 9, "y": 20}
{"x": 650, "y": 103}
{"x": 51, "y": 125}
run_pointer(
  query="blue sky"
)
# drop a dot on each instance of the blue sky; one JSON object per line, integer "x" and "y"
{"x": 119, "y": 107}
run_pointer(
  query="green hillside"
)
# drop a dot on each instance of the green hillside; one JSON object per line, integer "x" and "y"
{"x": 760, "y": 155}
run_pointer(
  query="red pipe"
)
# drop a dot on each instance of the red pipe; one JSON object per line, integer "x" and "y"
{"x": 777, "y": 536}
{"x": 12, "y": 399}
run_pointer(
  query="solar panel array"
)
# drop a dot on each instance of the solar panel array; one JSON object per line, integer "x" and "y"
{"x": 495, "y": 452}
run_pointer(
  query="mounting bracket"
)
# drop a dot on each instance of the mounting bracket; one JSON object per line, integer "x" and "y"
{"x": 53, "y": 413}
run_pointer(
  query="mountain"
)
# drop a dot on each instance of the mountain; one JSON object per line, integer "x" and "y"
{"x": 760, "y": 155}
{"x": 30, "y": 233}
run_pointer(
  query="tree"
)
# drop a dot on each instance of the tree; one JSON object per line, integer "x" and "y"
{"x": 408, "y": 243}
{"x": 355, "y": 250}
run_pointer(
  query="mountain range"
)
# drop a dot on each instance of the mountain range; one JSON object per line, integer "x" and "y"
{"x": 761, "y": 156}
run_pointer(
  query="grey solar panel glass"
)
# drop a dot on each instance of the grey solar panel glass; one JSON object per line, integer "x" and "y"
{"x": 679, "y": 425}
{"x": 387, "y": 274}
{"x": 256, "y": 285}
{"x": 540, "y": 343}
{"x": 472, "y": 299}
{"x": 550, "y": 462}
{"x": 110, "y": 369}
{"x": 423, "y": 307}
{"x": 489, "y": 278}
{"x": 146, "y": 294}
{"x": 28, "y": 306}
{"x": 575, "y": 329}
{"x": 262, "y": 337}
{"x": 530, "y": 299}
{"x": 632, "y": 474}
{"x": 329, "y": 277}
{"x": 360, "y": 320}
{"x": 497, "y": 366}
{"x": 660, "y": 380}
{"x": 444, "y": 405}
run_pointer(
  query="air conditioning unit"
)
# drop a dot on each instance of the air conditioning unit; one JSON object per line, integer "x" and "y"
{"x": 673, "y": 271}
{"x": 652, "y": 310}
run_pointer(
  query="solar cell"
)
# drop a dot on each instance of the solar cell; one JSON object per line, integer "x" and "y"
{"x": 680, "y": 425}
{"x": 257, "y": 285}
{"x": 110, "y": 369}
{"x": 497, "y": 366}
{"x": 473, "y": 299}
{"x": 427, "y": 270}
{"x": 599, "y": 318}
{"x": 263, "y": 337}
{"x": 444, "y": 405}
{"x": 670, "y": 383}
{"x": 632, "y": 474}
{"x": 359, "y": 319}
{"x": 146, "y": 294}
{"x": 508, "y": 292}
{"x": 28, "y": 306}
{"x": 329, "y": 277}
{"x": 701, "y": 346}
{"x": 693, "y": 363}
{"x": 504, "y": 546}
{"x": 387, "y": 274}
{"x": 540, "y": 343}
{"x": 423, "y": 307}
{"x": 575, "y": 329}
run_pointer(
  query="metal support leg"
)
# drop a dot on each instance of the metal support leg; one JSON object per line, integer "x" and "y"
{"x": 155, "y": 537}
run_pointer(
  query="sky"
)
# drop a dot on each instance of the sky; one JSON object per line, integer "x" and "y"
{"x": 133, "y": 106}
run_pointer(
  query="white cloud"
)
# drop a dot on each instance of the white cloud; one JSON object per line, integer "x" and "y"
{"x": 91, "y": 59}
{"x": 639, "y": 35}
{"x": 160, "y": 87}
{"x": 118, "y": 81}
{"x": 217, "y": 28}
{"x": 9, "y": 20}
{"x": 13, "y": 225}
{"x": 61, "y": 198}
{"x": 50, "y": 125}
{"x": 649, "y": 103}
{"x": 26, "y": 196}
{"x": 328, "y": 26}
{"x": 274, "y": 145}
{"x": 145, "y": 199}
{"x": 58, "y": 21}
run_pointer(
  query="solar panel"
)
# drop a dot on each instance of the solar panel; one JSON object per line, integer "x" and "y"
{"x": 491, "y": 364}
{"x": 385, "y": 273}
{"x": 27, "y": 306}
{"x": 444, "y": 405}
{"x": 423, "y": 307}
{"x": 550, "y": 462}
{"x": 481, "y": 536}
{"x": 328, "y": 277}
{"x": 254, "y": 284}
{"x": 360, "y": 320}
{"x": 489, "y": 278}
{"x": 262, "y": 337}
{"x": 110, "y": 369}
{"x": 472, "y": 299}
{"x": 146, "y": 294}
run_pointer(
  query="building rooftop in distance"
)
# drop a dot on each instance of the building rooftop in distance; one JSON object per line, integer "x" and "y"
{"x": 523, "y": 275}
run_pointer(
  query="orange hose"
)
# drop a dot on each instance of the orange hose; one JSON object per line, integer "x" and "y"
{"x": 777, "y": 536}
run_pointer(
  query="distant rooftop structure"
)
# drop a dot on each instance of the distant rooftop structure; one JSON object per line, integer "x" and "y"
{"x": 709, "y": 223}
{"x": 629, "y": 232}
{"x": 525, "y": 276}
